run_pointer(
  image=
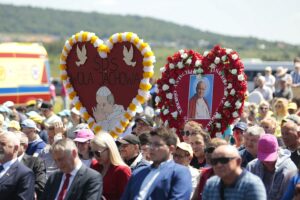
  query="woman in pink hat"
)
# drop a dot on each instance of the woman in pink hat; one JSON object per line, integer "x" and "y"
{"x": 82, "y": 140}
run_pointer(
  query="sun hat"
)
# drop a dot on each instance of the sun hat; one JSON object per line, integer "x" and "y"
{"x": 185, "y": 147}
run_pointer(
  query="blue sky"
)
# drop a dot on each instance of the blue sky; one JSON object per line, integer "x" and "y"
{"x": 265, "y": 19}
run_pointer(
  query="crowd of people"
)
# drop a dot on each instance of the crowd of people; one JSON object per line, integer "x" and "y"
{"x": 55, "y": 156}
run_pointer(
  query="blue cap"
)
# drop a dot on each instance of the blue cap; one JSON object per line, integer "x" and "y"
{"x": 28, "y": 123}
{"x": 240, "y": 125}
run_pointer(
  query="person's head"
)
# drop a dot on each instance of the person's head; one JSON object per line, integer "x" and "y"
{"x": 292, "y": 108}
{"x": 105, "y": 99}
{"x": 263, "y": 108}
{"x": 261, "y": 81}
{"x": 82, "y": 141}
{"x": 238, "y": 131}
{"x": 143, "y": 124}
{"x": 268, "y": 71}
{"x": 47, "y": 109}
{"x": 9, "y": 146}
{"x": 53, "y": 135}
{"x": 75, "y": 116}
{"x": 269, "y": 125}
{"x": 211, "y": 146}
{"x": 1, "y": 121}
{"x": 14, "y": 126}
{"x": 105, "y": 150}
{"x": 290, "y": 135}
{"x": 23, "y": 142}
{"x": 189, "y": 127}
{"x": 281, "y": 107}
{"x": 65, "y": 155}
{"x": 183, "y": 154}
{"x": 226, "y": 162}
{"x": 297, "y": 64}
{"x": 145, "y": 145}
{"x": 29, "y": 128}
{"x": 198, "y": 140}
{"x": 129, "y": 146}
{"x": 251, "y": 137}
{"x": 200, "y": 89}
{"x": 267, "y": 151}
{"x": 163, "y": 144}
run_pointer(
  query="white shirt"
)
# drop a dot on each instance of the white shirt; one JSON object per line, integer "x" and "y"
{"x": 270, "y": 82}
{"x": 21, "y": 157}
{"x": 73, "y": 174}
{"x": 7, "y": 165}
{"x": 149, "y": 180}
{"x": 202, "y": 111}
{"x": 195, "y": 173}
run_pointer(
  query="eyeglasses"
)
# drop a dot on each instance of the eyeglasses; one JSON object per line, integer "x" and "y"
{"x": 222, "y": 160}
{"x": 98, "y": 153}
{"x": 209, "y": 149}
{"x": 175, "y": 155}
{"x": 185, "y": 133}
{"x": 264, "y": 108}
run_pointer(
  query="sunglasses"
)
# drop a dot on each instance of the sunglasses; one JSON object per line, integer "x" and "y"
{"x": 222, "y": 160}
{"x": 185, "y": 133}
{"x": 98, "y": 153}
{"x": 209, "y": 149}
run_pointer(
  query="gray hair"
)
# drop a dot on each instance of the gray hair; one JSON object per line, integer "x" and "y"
{"x": 66, "y": 145}
{"x": 255, "y": 131}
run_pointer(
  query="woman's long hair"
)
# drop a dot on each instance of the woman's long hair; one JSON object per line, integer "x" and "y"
{"x": 105, "y": 140}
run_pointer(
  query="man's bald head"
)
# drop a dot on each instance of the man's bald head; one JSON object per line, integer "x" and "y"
{"x": 9, "y": 145}
{"x": 225, "y": 151}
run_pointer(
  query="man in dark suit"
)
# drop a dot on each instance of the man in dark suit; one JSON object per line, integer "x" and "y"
{"x": 16, "y": 180}
{"x": 164, "y": 179}
{"x": 34, "y": 163}
{"x": 75, "y": 181}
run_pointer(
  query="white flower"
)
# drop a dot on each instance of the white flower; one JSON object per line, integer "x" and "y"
{"x": 226, "y": 93}
{"x": 180, "y": 65}
{"x": 172, "y": 81}
{"x": 199, "y": 71}
{"x": 227, "y": 104}
{"x": 174, "y": 114}
{"x": 229, "y": 86}
{"x": 169, "y": 96}
{"x": 241, "y": 77}
{"x": 162, "y": 70}
{"x": 171, "y": 65}
{"x": 234, "y": 56}
{"x": 166, "y": 123}
{"x": 224, "y": 58}
{"x": 219, "y": 135}
{"x": 228, "y": 51}
{"x": 218, "y": 125}
{"x": 238, "y": 104}
{"x": 218, "y": 116}
{"x": 217, "y": 60}
{"x": 184, "y": 55}
{"x": 232, "y": 92}
{"x": 212, "y": 66}
{"x": 198, "y": 63}
{"x": 189, "y": 61}
{"x": 206, "y": 53}
{"x": 181, "y": 51}
{"x": 235, "y": 114}
{"x": 157, "y": 99}
{"x": 234, "y": 71}
{"x": 166, "y": 111}
{"x": 165, "y": 87}
{"x": 156, "y": 90}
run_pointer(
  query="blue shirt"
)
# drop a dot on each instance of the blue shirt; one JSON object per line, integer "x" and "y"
{"x": 289, "y": 193}
{"x": 246, "y": 157}
{"x": 246, "y": 187}
{"x": 35, "y": 147}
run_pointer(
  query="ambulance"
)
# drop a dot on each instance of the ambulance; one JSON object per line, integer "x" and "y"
{"x": 24, "y": 72}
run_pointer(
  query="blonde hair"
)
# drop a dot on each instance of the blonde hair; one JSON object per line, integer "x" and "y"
{"x": 105, "y": 140}
{"x": 284, "y": 103}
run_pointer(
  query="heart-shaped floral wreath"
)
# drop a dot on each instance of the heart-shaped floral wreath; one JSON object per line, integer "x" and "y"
{"x": 103, "y": 50}
{"x": 229, "y": 68}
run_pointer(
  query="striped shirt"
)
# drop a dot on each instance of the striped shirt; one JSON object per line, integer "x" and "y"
{"x": 246, "y": 187}
{"x": 295, "y": 77}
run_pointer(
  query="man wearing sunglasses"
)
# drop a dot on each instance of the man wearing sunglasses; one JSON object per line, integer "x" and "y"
{"x": 231, "y": 181}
